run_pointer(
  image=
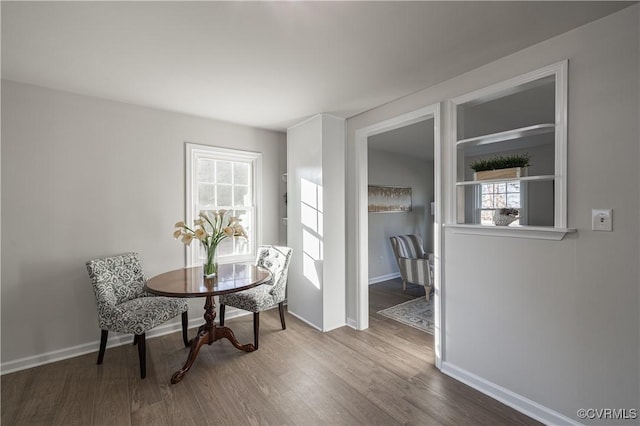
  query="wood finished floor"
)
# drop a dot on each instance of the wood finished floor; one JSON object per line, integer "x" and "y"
{"x": 381, "y": 376}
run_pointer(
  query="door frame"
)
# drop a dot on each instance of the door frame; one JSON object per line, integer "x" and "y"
{"x": 362, "y": 220}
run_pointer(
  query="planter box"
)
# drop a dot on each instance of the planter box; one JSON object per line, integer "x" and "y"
{"x": 513, "y": 172}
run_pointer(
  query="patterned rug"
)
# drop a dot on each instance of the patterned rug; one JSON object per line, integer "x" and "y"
{"x": 417, "y": 313}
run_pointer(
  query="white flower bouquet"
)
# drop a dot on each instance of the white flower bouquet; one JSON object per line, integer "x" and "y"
{"x": 210, "y": 228}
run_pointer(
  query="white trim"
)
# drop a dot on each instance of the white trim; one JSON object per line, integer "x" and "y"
{"x": 313, "y": 117}
{"x": 532, "y": 232}
{"x": 304, "y": 321}
{"x": 506, "y": 135}
{"x": 192, "y": 151}
{"x": 382, "y": 278}
{"x": 536, "y": 178}
{"x": 362, "y": 230}
{"x": 438, "y": 241}
{"x": 352, "y": 323}
{"x": 518, "y": 402}
{"x": 559, "y": 71}
{"x": 560, "y": 183}
{"x": 451, "y": 124}
{"x": 115, "y": 340}
{"x": 500, "y": 89}
{"x": 362, "y": 220}
{"x": 335, "y": 327}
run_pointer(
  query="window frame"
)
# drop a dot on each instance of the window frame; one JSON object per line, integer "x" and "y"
{"x": 455, "y": 213}
{"x": 522, "y": 193}
{"x": 193, "y": 152}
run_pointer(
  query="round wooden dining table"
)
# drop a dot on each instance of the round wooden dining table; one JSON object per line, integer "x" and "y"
{"x": 190, "y": 282}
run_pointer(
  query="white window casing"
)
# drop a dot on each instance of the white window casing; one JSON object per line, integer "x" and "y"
{"x": 222, "y": 178}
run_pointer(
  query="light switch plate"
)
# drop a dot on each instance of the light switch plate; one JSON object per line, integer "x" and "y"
{"x": 602, "y": 220}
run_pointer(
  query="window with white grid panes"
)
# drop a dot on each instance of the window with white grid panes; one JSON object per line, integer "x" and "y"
{"x": 494, "y": 196}
{"x": 223, "y": 179}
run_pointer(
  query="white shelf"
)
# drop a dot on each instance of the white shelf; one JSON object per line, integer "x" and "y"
{"x": 536, "y": 129}
{"x": 539, "y": 178}
{"x": 547, "y": 135}
{"x": 516, "y": 231}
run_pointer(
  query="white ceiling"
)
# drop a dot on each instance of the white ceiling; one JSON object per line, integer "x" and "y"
{"x": 268, "y": 64}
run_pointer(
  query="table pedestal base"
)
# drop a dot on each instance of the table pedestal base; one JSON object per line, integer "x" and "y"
{"x": 208, "y": 333}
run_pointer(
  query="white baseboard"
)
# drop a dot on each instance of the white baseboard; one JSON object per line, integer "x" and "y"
{"x": 114, "y": 340}
{"x": 334, "y": 327}
{"x": 507, "y": 397}
{"x": 315, "y": 326}
{"x": 382, "y": 278}
{"x": 352, "y": 323}
{"x": 304, "y": 320}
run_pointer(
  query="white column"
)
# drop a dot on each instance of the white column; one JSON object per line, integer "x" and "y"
{"x": 316, "y": 221}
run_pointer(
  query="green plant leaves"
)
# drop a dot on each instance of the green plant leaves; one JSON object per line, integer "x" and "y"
{"x": 501, "y": 162}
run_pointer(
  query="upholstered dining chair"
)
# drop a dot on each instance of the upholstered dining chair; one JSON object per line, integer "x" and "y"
{"x": 416, "y": 265}
{"x": 276, "y": 260}
{"x": 123, "y": 305}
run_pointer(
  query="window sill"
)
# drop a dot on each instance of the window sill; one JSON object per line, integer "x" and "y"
{"x": 533, "y": 232}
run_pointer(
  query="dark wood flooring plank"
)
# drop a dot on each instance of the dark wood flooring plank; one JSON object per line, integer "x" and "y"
{"x": 111, "y": 406}
{"x": 323, "y": 405}
{"x": 297, "y": 409}
{"x": 394, "y": 358}
{"x": 431, "y": 390}
{"x": 360, "y": 408}
{"x": 111, "y": 403}
{"x": 14, "y": 388}
{"x": 182, "y": 408}
{"x": 43, "y": 394}
{"x": 78, "y": 394}
{"x": 260, "y": 378}
{"x": 380, "y": 376}
{"x": 153, "y": 414}
{"x": 144, "y": 393}
{"x": 370, "y": 379}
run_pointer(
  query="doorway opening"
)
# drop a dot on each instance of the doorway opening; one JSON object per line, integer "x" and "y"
{"x": 381, "y": 147}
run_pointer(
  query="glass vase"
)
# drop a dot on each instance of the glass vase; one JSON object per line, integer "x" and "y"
{"x": 210, "y": 265}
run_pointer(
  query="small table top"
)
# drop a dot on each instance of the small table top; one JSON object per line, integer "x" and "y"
{"x": 190, "y": 282}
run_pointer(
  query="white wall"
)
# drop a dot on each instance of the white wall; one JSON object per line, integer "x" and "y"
{"x": 316, "y": 228}
{"x": 562, "y": 329}
{"x": 334, "y": 268}
{"x": 84, "y": 177}
{"x": 387, "y": 169}
{"x": 304, "y": 167}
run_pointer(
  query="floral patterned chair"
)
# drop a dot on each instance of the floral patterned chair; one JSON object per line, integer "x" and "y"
{"x": 124, "y": 306}
{"x": 275, "y": 259}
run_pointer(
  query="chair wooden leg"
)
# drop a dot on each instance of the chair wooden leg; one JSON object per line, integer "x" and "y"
{"x": 256, "y": 328}
{"x": 103, "y": 345}
{"x": 135, "y": 339}
{"x": 142, "y": 354}
{"x": 185, "y": 323}
{"x": 281, "y": 309}
{"x": 404, "y": 285}
{"x": 222, "y": 315}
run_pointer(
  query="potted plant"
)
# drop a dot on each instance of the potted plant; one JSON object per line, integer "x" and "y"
{"x": 501, "y": 166}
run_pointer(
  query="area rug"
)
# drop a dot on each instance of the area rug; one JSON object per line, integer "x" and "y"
{"x": 417, "y": 313}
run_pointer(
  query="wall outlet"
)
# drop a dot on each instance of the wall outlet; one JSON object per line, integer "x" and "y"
{"x": 602, "y": 220}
